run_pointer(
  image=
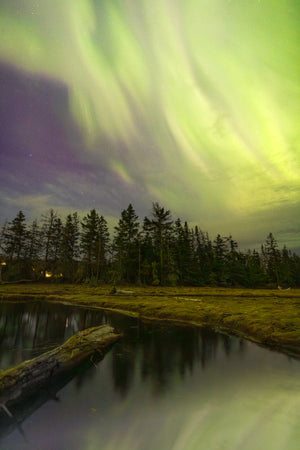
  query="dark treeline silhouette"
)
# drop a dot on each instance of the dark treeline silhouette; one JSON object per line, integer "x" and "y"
{"x": 157, "y": 251}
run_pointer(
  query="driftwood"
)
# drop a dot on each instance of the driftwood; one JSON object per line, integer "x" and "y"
{"x": 121, "y": 291}
{"x": 26, "y": 378}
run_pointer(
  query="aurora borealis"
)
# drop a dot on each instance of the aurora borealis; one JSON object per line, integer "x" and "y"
{"x": 191, "y": 103}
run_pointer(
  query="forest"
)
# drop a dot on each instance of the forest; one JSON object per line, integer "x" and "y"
{"x": 157, "y": 251}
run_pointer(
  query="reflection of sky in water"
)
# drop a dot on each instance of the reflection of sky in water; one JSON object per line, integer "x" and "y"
{"x": 247, "y": 398}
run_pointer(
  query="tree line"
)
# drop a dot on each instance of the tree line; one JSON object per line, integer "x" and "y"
{"x": 157, "y": 251}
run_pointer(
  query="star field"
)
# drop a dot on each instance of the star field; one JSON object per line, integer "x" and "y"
{"x": 191, "y": 103}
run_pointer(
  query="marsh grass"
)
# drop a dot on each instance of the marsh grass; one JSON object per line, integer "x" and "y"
{"x": 268, "y": 317}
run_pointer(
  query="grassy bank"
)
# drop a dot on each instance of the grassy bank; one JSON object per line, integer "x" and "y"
{"x": 268, "y": 317}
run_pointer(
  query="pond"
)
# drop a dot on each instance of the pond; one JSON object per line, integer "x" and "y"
{"x": 162, "y": 387}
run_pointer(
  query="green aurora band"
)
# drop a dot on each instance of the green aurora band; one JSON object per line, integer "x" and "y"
{"x": 199, "y": 98}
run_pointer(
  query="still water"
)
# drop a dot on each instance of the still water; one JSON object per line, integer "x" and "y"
{"x": 159, "y": 388}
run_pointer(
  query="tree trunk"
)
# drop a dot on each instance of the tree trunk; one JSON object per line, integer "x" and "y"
{"x": 21, "y": 381}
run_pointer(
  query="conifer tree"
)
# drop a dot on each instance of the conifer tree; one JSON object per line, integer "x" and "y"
{"x": 285, "y": 268}
{"x": 294, "y": 264}
{"x": 147, "y": 252}
{"x": 102, "y": 248}
{"x": 127, "y": 246}
{"x": 162, "y": 253}
{"x": 204, "y": 257}
{"x": 160, "y": 228}
{"x": 69, "y": 247}
{"x": 220, "y": 270}
{"x": 183, "y": 252}
{"x": 94, "y": 244}
{"x": 272, "y": 258}
{"x": 235, "y": 263}
{"x": 255, "y": 275}
{"x": 15, "y": 238}
{"x": 15, "y": 246}
{"x": 34, "y": 249}
{"x": 52, "y": 233}
{"x": 3, "y": 233}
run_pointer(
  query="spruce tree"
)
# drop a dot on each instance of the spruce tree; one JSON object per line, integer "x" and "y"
{"x": 160, "y": 228}
{"x": 102, "y": 248}
{"x": 183, "y": 253}
{"x": 3, "y": 233}
{"x": 69, "y": 247}
{"x": 52, "y": 233}
{"x": 255, "y": 274}
{"x": 127, "y": 246}
{"x": 220, "y": 268}
{"x": 15, "y": 246}
{"x": 147, "y": 256}
{"x": 34, "y": 249}
{"x": 272, "y": 258}
{"x": 204, "y": 257}
{"x": 285, "y": 268}
{"x": 15, "y": 238}
{"x": 94, "y": 244}
{"x": 235, "y": 264}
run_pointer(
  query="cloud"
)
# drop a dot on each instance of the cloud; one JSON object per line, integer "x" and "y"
{"x": 192, "y": 104}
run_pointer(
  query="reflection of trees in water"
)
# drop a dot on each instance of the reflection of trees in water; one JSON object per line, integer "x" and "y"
{"x": 161, "y": 350}
{"x": 174, "y": 350}
{"x": 123, "y": 367}
{"x": 164, "y": 351}
{"x": 226, "y": 344}
{"x": 22, "y": 410}
{"x": 29, "y": 329}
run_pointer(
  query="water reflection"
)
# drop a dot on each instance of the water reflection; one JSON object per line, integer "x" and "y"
{"x": 21, "y": 411}
{"x": 161, "y": 351}
{"x": 29, "y": 329}
{"x": 160, "y": 387}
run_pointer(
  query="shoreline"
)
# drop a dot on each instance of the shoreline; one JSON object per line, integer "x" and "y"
{"x": 269, "y": 318}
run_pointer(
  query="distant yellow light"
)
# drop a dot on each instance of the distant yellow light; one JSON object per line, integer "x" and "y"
{"x": 3, "y": 263}
{"x": 48, "y": 274}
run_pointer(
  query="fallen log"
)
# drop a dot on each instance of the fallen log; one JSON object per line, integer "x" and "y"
{"x": 26, "y": 378}
{"x": 121, "y": 291}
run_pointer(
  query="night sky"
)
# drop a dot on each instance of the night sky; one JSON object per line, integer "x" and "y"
{"x": 191, "y": 103}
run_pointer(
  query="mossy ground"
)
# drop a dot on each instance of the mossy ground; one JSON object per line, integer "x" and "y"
{"x": 268, "y": 317}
